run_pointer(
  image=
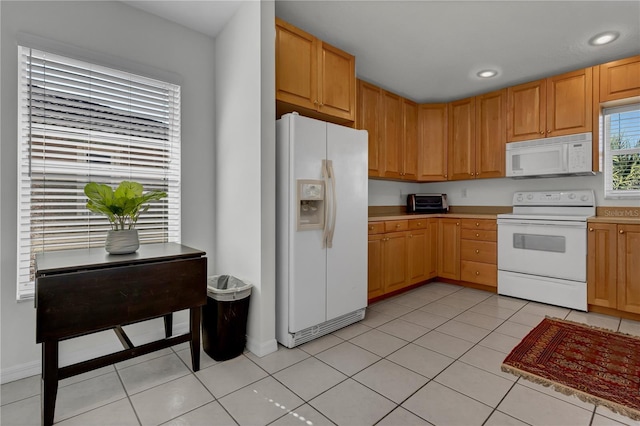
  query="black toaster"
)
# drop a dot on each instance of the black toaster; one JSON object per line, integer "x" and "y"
{"x": 427, "y": 203}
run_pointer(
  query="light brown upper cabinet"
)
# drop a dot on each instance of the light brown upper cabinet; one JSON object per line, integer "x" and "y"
{"x": 392, "y": 123}
{"x": 368, "y": 118}
{"x": 432, "y": 142}
{"x": 410, "y": 140}
{"x": 620, "y": 79}
{"x": 312, "y": 76}
{"x": 491, "y": 134}
{"x": 462, "y": 139}
{"x": 392, "y": 135}
{"x": 555, "y": 106}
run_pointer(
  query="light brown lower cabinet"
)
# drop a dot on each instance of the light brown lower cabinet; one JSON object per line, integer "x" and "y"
{"x": 479, "y": 251}
{"x": 449, "y": 248}
{"x": 403, "y": 253}
{"x": 613, "y": 266}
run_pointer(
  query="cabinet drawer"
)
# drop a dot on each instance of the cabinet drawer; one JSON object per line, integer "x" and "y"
{"x": 478, "y": 235}
{"x": 418, "y": 224}
{"x": 478, "y": 251}
{"x": 376, "y": 228}
{"x": 396, "y": 225}
{"x": 484, "y": 224}
{"x": 479, "y": 273}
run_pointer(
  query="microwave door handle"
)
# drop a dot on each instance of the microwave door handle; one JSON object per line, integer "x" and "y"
{"x": 565, "y": 157}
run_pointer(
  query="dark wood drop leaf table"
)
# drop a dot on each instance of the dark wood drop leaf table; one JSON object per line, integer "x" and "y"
{"x": 84, "y": 291}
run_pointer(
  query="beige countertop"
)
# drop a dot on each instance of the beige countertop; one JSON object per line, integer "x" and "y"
{"x": 621, "y": 215}
{"x": 613, "y": 219}
{"x": 405, "y": 216}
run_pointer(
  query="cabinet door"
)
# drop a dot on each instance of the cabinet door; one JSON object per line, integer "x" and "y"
{"x": 394, "y": 249}
{"x": 449, "y": 248}
{"x": 368, "y": 118}
{"x": 336, "y": 82}
{"x": 629, "y": 268}
{"x": 410, "y": 140}
{"x": 491, "y": 134}
{"x": 296, "y": 66}
{"x": 417, "y": 249}
{"x": 431, "y": 253}
{"x": 601, "y": 264}
{"x": 432, "y": 142}
{"x": 526, "y": 111}
{"x": 462, "y": 139}
{"x": 392, "y": 134}
{"x": 620, "y": 79}
{"x": 375, "y": 267}
{"x": 569, "y": 103}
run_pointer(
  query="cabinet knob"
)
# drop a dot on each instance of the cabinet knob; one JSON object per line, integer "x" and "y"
{"x": 315, "y": 102}
{"x": 457, "y": 223}
{"x": 419, "y": 223}
{"x": 397, "y": 225}
{"x": 477, "y": 235}
{"x": 477, "y": 251}
{"x": 410, "y": 235}
{"x": 477, "y": 272}
{"x": 477, "y": 223}
{"x": 621, "y": 231}
{"x": 590, "y": 229}
{"x": 548, "y": 131}
{"x": 472, "y": 173}
{"x": 445, "y": 175}
{"x": 371, "y": 228}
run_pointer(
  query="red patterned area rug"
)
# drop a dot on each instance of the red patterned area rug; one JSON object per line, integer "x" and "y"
{"x": 597, "y": 365}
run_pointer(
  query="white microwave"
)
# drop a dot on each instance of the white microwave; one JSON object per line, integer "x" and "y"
{"x": 549, "y": 157}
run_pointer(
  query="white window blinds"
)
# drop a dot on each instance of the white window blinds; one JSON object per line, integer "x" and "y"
{"x": 622, "y": 151}
{"x": 79, "y": 123}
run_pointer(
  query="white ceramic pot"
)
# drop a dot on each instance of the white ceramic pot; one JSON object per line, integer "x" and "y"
{"x": 122, "y": 242}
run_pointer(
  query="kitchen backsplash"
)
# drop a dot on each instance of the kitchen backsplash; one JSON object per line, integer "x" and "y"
{"x": 487, "y": 192}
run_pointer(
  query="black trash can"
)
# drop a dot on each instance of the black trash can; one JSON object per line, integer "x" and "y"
{"x": 224, "y": 317}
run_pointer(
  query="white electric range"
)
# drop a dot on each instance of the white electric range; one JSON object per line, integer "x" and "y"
{"x": 542, "y": 247}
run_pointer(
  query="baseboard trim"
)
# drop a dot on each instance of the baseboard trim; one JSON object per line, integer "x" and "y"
{"x": 261, "y": 349}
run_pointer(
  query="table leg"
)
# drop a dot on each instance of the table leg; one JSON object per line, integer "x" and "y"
{"x": 194, "y": 343}
{"x": 49, "y": 382}
{"x": 168, "y": 325}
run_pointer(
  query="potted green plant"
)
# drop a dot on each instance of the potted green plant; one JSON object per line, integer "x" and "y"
{"x": 123, "y": 208}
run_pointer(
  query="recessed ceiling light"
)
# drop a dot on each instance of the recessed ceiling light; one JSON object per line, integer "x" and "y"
{"x": 487, "y": 73}
{"x": 603, "y": 38}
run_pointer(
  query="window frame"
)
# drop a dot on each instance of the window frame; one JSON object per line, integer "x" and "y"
{"x": 609, "y": 192}
{"x": 162, "y": 221}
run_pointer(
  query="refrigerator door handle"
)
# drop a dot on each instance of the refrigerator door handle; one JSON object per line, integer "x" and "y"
{"x": 327, "y": 200}
{"x": 334, "y": 204}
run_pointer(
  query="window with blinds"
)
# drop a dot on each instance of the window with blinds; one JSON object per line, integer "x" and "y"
{"x": 79, "y": 123}
{"x": 622, "y": 151}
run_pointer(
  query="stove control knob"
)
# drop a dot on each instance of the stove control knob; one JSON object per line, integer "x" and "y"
{"x": 519, "y": 198}
{"x": 584, "y": 198}
{"x": 572, "y": 196}
{"x": 529, "y": 196}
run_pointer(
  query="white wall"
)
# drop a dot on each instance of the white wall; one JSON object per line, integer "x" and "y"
{"x": 487, "y": 192}
{"x": 115, "y": 34}
{"x": 245, "y": 163}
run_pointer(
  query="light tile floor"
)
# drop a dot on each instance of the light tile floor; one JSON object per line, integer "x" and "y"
{"x": 429, "y": 356}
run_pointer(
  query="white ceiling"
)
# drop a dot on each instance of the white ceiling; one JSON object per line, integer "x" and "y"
{"x": 430, "y": 51}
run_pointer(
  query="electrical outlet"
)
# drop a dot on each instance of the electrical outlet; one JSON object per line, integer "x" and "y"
{"x": 464, "y": 192}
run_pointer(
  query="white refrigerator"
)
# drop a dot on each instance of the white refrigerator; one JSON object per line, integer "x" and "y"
{"x": 322, "y": 213}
